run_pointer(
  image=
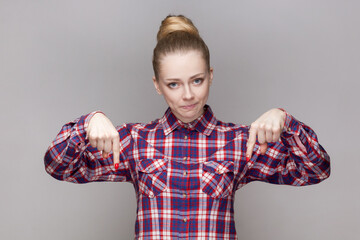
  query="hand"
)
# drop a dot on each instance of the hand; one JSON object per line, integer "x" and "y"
{"x": 103, "y": 135}
{"x": 267, "y": 128}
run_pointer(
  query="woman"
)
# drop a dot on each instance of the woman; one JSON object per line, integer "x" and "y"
{"x": 187, "y": 165}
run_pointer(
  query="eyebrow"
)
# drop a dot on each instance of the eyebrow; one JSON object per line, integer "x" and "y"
{"x": 177, "y": 79}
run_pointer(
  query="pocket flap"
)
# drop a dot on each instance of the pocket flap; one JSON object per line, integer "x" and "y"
{"x": 151, "y": 165}
{"x": 219, "y": 167}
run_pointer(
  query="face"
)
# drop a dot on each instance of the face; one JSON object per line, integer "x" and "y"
{"x": 184, "y": 81}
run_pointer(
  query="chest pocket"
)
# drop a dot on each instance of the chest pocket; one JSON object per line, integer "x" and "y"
{"x": 152, "y": 176}
{"x": 218, "y": 178}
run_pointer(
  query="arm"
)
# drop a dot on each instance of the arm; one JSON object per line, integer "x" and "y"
{"x": 70, "y": 157}
{"x": 296, "y": 158}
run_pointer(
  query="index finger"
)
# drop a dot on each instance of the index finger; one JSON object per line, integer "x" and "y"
{"x": 250, "y": 143}
{"x": 116, "y": 152}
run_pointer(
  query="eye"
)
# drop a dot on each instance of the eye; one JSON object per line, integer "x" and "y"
{"x": 198, "y": 81}
{"x": 172, "y": 85}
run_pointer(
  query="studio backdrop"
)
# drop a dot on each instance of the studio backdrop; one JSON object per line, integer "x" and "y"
{"x": 63, "y": 59}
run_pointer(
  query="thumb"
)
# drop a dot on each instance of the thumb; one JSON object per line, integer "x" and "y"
{"x": 263, "y": 148}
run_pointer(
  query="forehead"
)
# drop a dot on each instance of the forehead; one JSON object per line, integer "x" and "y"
{"x": 182, "y": 64}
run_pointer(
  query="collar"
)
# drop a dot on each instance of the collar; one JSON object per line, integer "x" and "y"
{"x": 205, "y": 124}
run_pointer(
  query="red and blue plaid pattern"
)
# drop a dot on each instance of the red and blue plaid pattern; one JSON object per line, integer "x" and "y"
{"x": 186, "y": 175}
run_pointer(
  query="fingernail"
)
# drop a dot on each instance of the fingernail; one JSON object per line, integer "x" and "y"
{"x": 116, "y": 166}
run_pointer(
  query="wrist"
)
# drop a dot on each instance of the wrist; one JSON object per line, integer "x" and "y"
{"x": 89, "y": 117}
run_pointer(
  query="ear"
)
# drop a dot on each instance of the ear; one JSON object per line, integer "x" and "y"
{"x": 211, "y": 71}
{"x": 156, "y": 84}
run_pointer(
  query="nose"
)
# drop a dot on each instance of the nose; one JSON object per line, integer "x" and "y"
{"x": 188, "y": 93}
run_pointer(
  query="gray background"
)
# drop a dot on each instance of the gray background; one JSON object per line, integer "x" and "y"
{"x": 63, "y": 59}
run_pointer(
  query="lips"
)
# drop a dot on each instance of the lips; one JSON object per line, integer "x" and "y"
{"x": 189, "y": 107}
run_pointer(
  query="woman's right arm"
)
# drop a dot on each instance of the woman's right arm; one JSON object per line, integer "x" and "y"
{"x": 81, "y": 152}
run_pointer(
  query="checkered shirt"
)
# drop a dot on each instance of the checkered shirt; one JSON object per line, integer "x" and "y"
{"x": 185, "y": 175}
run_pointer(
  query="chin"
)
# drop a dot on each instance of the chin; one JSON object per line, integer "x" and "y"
{"x": 190, "y": 117}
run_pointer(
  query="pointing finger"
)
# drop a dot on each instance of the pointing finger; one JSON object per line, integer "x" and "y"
{"x": 116, "y": 152}
{"x": 250, "y": 143}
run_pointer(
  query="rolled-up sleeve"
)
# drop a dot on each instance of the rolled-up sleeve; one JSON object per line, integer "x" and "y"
{"x": 297, "y": 159}
{"x": 71, "y": 158}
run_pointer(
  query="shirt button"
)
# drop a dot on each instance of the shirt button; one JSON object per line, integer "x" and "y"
{"x": 185, "y": 173}
{"x": 184, "y": 195}
{"x": 185, "y": 137}
{"x": 289, "y": 129}
{"x": 151, "y": 195}
{"x": 219, "y": 171}
{"x": 185, "y": 220}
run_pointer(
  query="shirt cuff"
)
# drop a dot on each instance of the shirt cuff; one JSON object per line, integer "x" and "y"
{"x": 291, "y": 125}
{"x": 292, "y": 130}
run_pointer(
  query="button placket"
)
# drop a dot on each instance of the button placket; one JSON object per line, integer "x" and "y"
{"x": 185, "y": 174}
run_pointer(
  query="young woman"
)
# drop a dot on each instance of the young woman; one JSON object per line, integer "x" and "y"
{"x": 187, "y": 165}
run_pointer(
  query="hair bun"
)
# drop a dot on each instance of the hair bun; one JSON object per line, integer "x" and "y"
{"x": 173, "y": 23}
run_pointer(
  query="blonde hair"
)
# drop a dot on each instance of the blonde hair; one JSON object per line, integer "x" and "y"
{"x": 178, "y": 33}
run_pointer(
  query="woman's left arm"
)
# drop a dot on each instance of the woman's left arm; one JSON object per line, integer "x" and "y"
{"x": 283, "y": 150}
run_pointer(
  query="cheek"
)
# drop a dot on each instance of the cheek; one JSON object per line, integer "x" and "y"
{"x": 170, "y": 97}
{"x": 204, "y": 92}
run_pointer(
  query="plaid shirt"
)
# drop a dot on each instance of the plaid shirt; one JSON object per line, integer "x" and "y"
{"x": 185, "y": 175}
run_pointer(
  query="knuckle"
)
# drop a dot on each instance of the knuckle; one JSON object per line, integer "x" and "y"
{"x": 114, "y": 135}
{"x": 276, "y": 129}
{"x": 106, "y": 136}
{"x": 91, "y": 135}
{"x": 99, "y": 137}
{"x": 92, "y": 140}
{"x": 254, "y": 125}
{"x": 268, "y": 127}
{"x": 261, "y": 126}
